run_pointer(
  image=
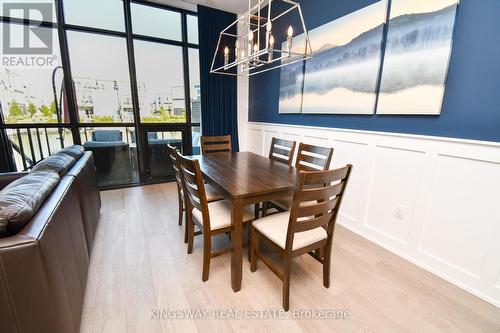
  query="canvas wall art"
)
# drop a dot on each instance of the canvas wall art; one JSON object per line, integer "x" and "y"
{"x": 342, "y": 76}
{"x": 419, "y": 41}
{"x": 292, "y": 78}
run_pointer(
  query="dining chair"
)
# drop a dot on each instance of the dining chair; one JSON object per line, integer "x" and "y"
{"x": 306, "y": 228}
{"x": 212, "y": 218}
{"x": 216, "y": 144}
{"x": 212, "y": 194}
{"x": 309, "y": 158}
{"x": 282, "y": 150}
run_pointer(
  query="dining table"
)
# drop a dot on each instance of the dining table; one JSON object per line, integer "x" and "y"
{"x": 245, "y": 178}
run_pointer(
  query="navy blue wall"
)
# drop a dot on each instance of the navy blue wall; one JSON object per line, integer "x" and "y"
{"x": 471, "y": 108}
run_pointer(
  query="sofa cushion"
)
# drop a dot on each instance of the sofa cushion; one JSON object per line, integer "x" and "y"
{"x": 22, "y": 198}
{"x": 75, "y": 151}
{"x": 59, "y": 163}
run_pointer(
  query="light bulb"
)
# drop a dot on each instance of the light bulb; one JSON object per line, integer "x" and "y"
{"x": 290, "y": 31}
{"x": 269, "y": 26}
{"x": 271, "y": 40}
{"x": 226, "y": 51}
{"x": 250, "y": 36}
{"x": 255, "y": 48}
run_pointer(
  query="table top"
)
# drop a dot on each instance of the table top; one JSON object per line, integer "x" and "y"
{"x": 246, "y": 174}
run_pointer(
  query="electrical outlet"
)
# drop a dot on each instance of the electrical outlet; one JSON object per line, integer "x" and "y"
{"x": 399, "y": 212}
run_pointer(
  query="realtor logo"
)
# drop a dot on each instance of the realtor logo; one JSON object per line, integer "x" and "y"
{"x": 27, "y": 39}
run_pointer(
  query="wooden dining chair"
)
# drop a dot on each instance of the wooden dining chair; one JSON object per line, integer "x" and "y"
{"x": 216, "y": 144}
{"x": 212, "y": 194}
{"x": 306, "y": 228}
{"x": 212, "y": 218}
{"x": 309, "y": 158}
{"x": 282, "y": 150}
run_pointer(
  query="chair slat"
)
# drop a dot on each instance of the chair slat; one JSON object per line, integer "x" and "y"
{"x": 216, "y": 144}
{"x": 280, "y": 151}
{"x": 313, "y": 223}
{"x": 284, "y": 143}
{"x": 316, "y": 209}
{"x": 326, "y": 177}
{"x": 321, "y": 193}
{"x": 316, "y": 149}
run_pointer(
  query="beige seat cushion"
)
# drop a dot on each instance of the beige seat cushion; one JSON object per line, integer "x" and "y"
{"x": 220, "y": 214}
{"x": 275, "y": 228}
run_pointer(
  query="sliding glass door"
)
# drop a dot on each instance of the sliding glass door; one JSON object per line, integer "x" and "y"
{"x": 124, "y": 84}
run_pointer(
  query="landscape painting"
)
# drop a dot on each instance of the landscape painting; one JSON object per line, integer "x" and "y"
{"x": 342, "y": 76}
{"x": 292, "y": 78}
{"x": 419, "y": 42}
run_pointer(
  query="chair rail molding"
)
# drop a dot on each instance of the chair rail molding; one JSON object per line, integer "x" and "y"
{"x": 430, "y": 200}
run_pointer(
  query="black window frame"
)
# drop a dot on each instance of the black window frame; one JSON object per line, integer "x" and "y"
{"x": 6, "y": 160}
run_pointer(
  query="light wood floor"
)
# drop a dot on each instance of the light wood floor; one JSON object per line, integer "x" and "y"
{"x": 139, "y": 264}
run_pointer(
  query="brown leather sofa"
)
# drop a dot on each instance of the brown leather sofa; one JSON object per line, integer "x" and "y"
{"x": 43, "y": 267}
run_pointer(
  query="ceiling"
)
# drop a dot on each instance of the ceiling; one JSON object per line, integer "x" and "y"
{"x": 233, "y": 6}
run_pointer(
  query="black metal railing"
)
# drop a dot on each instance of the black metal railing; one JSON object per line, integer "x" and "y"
{"x": 30, "y": 145}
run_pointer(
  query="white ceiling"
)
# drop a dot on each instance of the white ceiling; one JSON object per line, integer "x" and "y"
{"x": 233, "y": 6}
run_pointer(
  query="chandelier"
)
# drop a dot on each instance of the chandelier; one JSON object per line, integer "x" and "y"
{"x": 250, "y": 45}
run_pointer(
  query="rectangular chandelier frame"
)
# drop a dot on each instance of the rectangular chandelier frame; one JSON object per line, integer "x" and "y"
{"x": 250, "y": 59}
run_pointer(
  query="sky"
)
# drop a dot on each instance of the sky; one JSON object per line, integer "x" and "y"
{"x": 400, "y": 7}
{"x": 342, "y": 30}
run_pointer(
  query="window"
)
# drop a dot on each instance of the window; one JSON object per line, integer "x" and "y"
{"x": 192, "y": 29}
{"x": 194, "y": 81}
{"x": 156, "y": 22}
{"x": 107, "y": 14}
{"x": 93, "y": 101}
{"x": 99, "y": 66}
{"x": 160, "y": 81}
{"x": 195, "y": 138}
{"x": 26, "y": 85}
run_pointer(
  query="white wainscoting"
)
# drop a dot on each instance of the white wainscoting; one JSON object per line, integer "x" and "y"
{"x": 447, "y": 190}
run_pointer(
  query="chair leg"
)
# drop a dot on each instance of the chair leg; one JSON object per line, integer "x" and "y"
{"x": 326, "y": 267}
{"x": 254, "y": 247}
{"x": 265, "y": 207}
{"x": 186, "y": 227}
{"x": 207, "y": 253}
{"x": 286, "y": 283}
{"x": 249, "y": 231}
{"x": 256, "y": 210}
{"x": 181, "y": 210}
{"x": 190, "y": 231}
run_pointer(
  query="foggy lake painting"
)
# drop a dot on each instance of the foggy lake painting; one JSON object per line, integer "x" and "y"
{"x": 419, "y": 42}
{"x": 292, "y": 78}
{"x": 342, "y": 75}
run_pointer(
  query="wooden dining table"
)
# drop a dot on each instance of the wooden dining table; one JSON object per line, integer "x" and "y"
{"x": 245, "y": 179}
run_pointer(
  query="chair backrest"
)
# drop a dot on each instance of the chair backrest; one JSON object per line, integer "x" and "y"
{"x": 316, "y": 201}
{"x": 194, "y": 188}
{"x": 313, "y": 158}
{"x": 216, "y": 144}
{"x": 107, "y": 135}
{"x": 173, "y": 153}
{"x": 282, "y": 150}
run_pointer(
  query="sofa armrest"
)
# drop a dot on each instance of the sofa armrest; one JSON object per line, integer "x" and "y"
{"x": 8, "y": 177}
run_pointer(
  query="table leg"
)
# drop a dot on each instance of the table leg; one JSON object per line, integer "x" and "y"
{"x": 236, "y": 243}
